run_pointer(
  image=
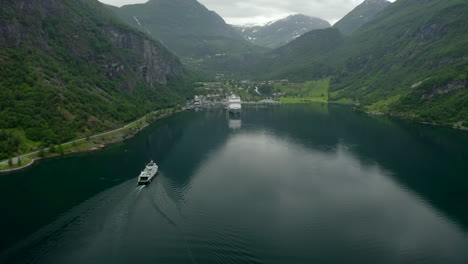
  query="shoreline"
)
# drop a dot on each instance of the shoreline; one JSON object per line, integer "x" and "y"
{"x": 376, "y": 113}
{"x": 99, "y": 147}
{"x": 33, "y": 160}
{"x": 372, "y": 113}
{"x": 94, "y": 148}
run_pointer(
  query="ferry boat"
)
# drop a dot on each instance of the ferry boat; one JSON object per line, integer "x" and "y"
{"x": 148, "y": 173}
{"x": 233, "y": 103}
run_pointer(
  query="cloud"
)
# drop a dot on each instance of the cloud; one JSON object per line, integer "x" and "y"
{"x": 261, "y": 11}
{"x": 122, "y": 2}
{"x": 258, "y": 11}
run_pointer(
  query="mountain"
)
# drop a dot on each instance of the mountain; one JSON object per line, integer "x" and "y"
{"x": 304, "y": 58}
{"x": 410, "y": 60}
{"x": 278, "y": 33}
{"x": 70, "y": 68}
{"x": 360, "y": 15}
{"x": 185, "y": 26}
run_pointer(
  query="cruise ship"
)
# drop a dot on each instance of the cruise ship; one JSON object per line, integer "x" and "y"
{"x": 148, "y": 173}
{"x": 233, "y": 103}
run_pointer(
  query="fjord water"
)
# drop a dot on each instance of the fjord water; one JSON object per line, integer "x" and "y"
{"x": 281, "y": 184}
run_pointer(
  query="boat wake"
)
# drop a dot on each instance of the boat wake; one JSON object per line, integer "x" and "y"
{"x": 69, "y": 224}
{"x": 163, "y": 197}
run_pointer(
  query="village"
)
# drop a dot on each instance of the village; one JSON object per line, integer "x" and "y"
{"x": 213, "y": 94}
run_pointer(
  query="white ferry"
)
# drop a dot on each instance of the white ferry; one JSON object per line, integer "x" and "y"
{"x": 233, "y": 103}
{"x": 148, "y": 173}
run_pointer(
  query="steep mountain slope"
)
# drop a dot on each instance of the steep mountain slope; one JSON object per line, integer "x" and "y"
{"x": 280, "y": 32}
{"x": 409, "y": 60}
{"x": 360, "y": 15}
{"x": 303, "y": 58}
{"x": 185, "y": 26}
{"x": 69, "y": 67}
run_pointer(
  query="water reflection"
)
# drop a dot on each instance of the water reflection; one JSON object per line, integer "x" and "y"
{"x": 303, "y": 204}
{"x": 284, "y": 202}
{"x": 234, "y": 120}
{"x": 281, "y": 184}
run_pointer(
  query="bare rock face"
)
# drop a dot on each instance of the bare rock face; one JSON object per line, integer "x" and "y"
{"x": 454, "y": 85}
{"x": 154, "y": 63}
{"x": 77, "y": 68}
{"x": 91, "y": 34}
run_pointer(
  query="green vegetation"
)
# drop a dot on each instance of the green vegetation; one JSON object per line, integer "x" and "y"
{"x": 360, "y": 15}
{"x": 306, "y": 58}
{"x": 186, "y": 27}
{"x": 294, "y": 100}
{"x": 9, "y": 144}
{"x": 64, "y": 80}
{"x": 92, "y": 143}
{"x": 409, "y": 60}
{"x": 61, "y": 79}
{"x": 21, "y": 162}
{"x": 266, "y": 89}
{"x": 383, "y": 106}
{"x": 311, "y": 91}
{"x": 414, "y": 65}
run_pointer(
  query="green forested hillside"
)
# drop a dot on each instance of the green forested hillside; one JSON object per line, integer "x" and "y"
{"x": 360, "y": 15}
{"x": 303, "y": 59}
{"x": 415, "y": 65}
{"x": 409, "y": 60}
{"x": 70, "y": 68}
{"x": 186, "y": 27}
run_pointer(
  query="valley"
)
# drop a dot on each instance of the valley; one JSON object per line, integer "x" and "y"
{"x": 250, "y": 131}
{"x": 145, "y": 57}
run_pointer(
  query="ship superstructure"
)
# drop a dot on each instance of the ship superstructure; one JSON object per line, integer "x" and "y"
{"x": 148, "y": 173}
{"x": 233, "y": 103}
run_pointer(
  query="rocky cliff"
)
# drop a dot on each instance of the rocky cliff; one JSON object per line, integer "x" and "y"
{"x": 154, "y": 64}
{"x": 70, "y": 68}
{"x": 186, "y": 27}
{"x": 43, "y": 23}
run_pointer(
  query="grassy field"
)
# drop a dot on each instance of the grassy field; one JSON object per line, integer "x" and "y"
{"x": 24, "y": 161}
{"x": 310, "y": 91}
{"x": 383, "y": 105}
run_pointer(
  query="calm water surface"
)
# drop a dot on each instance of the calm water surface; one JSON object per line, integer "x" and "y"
{"x": 281, "y": 184}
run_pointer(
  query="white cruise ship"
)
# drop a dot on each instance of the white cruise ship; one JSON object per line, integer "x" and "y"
{"x": 148, "y": 173}
{"x": 233, "y": 103}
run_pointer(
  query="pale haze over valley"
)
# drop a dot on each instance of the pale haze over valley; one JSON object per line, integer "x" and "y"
{"x": 245, "y": 12}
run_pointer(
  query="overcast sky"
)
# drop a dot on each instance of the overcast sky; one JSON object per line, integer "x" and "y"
{"x": 241, "y": 12}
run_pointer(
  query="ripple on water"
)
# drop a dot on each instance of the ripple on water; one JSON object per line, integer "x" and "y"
{"x": 209, "y": 237}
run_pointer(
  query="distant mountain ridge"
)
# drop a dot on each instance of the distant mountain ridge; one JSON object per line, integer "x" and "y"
{"x": 302, "y": 58}
{"x": 278, "y": 33}
{"x": 185, "y": 26}
{"x": 360, "y": 15}
{"x": 409, "y": 60}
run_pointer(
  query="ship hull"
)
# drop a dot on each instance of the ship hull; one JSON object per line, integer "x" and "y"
{"x": 147, "y": 175}
{"x": 145, "y": 182}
